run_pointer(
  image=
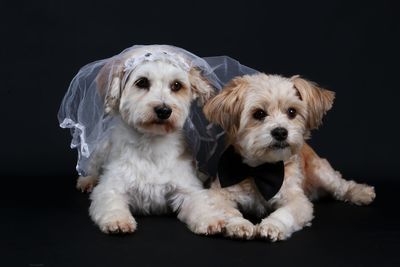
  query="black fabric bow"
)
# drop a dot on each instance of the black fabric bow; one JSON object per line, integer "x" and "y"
{"x": 268, "y": 177}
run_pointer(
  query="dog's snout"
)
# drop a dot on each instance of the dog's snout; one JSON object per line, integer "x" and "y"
{"x": 163, "y": 112}
{"x": 279, "y": 133}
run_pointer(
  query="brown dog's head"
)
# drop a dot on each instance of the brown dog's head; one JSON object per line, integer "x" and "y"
{"x": 267, "y": 117}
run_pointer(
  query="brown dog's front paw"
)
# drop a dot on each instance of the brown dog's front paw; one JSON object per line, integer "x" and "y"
{"x": 272, "y": 229}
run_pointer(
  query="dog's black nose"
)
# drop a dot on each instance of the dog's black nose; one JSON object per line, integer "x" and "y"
{"x": 163, "y": 112}
{"x": 279, "y": 133}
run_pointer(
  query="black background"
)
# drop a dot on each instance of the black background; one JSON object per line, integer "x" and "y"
{"x": 350, "y": 47}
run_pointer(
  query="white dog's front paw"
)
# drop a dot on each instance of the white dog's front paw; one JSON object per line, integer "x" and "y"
{"x": 86, "y": 183}
{"x": 118, "y": 224}
{"x": 361, "y": 194}
{"x": 238, "y": 227}
{"x": 209, "y": 226}
{"x": 272, "y": 229}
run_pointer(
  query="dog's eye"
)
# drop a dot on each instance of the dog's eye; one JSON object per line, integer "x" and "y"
{"x": 291, "y": 112}
{"x": 259, "y": 114}
{"x": 176, "y": 86}
{"x": 142, "y": 83}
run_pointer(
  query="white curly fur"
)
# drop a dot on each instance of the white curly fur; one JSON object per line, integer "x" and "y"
{"x": 145, "y": 166}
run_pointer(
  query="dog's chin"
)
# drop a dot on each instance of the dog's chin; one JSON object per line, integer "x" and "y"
{"x": 157, "y": 127}
{"x": 270, "y": 155}
{"x": 278, "y": 145}
{"x": 278, "y": 151}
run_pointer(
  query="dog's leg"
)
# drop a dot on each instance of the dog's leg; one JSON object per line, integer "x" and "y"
{"x": 293, "y": 209}
{"x": 110, "y": 210}
{"x": 210, "y": 212}
{"x": 86, "y": 183}
{"x": 321, "y": 175}
{"x": 289, "y": 217}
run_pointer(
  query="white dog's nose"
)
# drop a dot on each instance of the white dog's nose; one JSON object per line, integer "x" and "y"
{"x": 163, "y": 112}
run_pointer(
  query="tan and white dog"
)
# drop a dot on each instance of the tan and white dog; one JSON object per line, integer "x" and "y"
{"x": 267, "y": 118}
{"x": 145, "y": 165}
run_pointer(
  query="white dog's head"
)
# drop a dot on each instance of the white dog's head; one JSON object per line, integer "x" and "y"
{"x": 152, "y": 91}
{"x": 267, "y": 117}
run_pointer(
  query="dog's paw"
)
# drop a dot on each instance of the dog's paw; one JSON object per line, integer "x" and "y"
{"x": 119, "y": 225}
{"x": 86, "y": 183}
{"x": 209, "y": 226}
{"x": 238, "y": 227}
{"x": 361, "y": 194}
{"x": 272, "y": 229}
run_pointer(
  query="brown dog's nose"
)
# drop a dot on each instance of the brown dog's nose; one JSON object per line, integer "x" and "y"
{"x": 163, "y": 112}
{"x": 279, "y": 133}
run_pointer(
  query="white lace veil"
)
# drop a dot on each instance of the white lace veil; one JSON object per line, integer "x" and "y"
{"x": 82, "y": 109}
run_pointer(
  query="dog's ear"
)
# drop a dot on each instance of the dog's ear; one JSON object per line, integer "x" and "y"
{"x": 318, "y": 100}
{"x": 201, "y": 88}
{"x": 108, "y": 82}
{"x": 225, "y": 108}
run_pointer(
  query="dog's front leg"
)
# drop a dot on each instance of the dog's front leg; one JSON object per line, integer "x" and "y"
{"x": 287, "y": 219}
{"x": 210, "y": 212}
{"x": 110, "y": 209}
{"x": 293, "y": 209}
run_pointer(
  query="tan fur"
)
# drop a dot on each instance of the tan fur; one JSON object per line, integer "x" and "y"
{"x": 321, "y": 178}
{"x": 86, "y": 183}
{"x": 224, "y": 109}
{"x": 306, "y": 174}
{"x": 318, "y": 100}
{"x": 200, "y": 86}
{"x": 109, "y": 84}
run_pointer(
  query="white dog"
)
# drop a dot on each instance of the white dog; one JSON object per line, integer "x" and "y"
{"x": 145, "y": 166}
{"x": 267, "y": 118}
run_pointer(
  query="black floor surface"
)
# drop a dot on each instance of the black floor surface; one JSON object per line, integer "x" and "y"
{"x": 45, "y": 223}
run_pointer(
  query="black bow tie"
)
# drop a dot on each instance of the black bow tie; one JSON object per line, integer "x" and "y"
{"x": 268, "y": 177}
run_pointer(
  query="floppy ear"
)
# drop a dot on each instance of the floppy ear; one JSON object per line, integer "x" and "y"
{"x": 318, "y": 100}
{"x": 225, "y": 108}
{"x": 109, "y": 84}
{"x": 201, "y": 88}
